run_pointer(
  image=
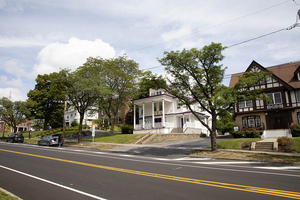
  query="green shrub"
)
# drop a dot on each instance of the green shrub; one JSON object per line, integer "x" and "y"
{"x": 74, "y": 123}
{"x": 283, "y": 141}
{"x": 246, "y": 134}
{"x": 295, "y": 129}
{"x": 126, "y": 129}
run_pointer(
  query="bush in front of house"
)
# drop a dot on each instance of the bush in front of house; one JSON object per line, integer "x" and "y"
{"x": 295, "y": 129}
{"x": 74, "y": 123}
{"x": 283, "y": 141}
{"x": 126, "y": 129}
{"x": 246, "y": 134}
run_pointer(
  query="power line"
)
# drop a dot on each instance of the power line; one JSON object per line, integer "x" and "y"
{"x": 210, "y": 27}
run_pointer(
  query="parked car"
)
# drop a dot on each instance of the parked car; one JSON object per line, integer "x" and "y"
{"x": 49, "y": 140}
{"x": 15, "y": 137}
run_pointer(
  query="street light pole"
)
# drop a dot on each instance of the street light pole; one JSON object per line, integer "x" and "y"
{"x": 64, "y": 121}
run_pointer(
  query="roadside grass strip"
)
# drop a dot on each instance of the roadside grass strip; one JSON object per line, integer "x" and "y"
{"x": 259, "y": 190}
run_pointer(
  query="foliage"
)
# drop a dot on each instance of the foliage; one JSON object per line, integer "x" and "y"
{"x": 74, "y": 123}
{"x": 226, "y": 123}
{"x": 98, "y": 121}
{"x": 149, "y": 81}
{"x": 84, "y": 87}
{"x": 283, "y": 141}
{"x": 120, "y": 79}
{"x": 295, "y": 129}
{"x": 127, "y": 129}
{"x": 246, "y": 134}
{"x": 14, "y": 113}
{"x": 49, "y": 96}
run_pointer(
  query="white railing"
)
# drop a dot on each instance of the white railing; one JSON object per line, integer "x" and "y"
{"x": 156, "y": 125}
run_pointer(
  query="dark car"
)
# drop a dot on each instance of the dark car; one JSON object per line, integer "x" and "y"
{"x": 15, "y": 137}
{"x": 49, "y": 140}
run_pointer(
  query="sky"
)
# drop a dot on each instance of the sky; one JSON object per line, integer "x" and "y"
{"x": 44, "y": 36}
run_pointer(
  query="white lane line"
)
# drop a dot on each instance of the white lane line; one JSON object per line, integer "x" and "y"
{"x": 280, "y": 168}
{"x": 56, "y": 184}
{"x": 225, "y": 163}
{"x": 189, "y": 158}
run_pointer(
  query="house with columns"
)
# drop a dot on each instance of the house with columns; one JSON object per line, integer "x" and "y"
{"x": 163, "y": 113}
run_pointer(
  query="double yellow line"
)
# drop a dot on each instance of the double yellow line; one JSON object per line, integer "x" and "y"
{"x": 259, "y": 190}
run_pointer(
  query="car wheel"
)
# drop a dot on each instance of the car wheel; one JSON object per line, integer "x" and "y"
{"x": 48, "y": 144}
{"x": 39, "y": 143}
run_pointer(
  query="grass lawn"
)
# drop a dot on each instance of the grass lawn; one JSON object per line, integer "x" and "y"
{"x": 4, "y": 196}
{"x": 234, "y": 143}
{"x": 117, "y": 138}
{"x": 296, "y": 145}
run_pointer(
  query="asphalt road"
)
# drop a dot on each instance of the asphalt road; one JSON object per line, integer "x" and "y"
{"x": 38, "y": 172}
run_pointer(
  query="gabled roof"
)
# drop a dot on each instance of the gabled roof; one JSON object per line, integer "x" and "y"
{"x": 285, "y": 73}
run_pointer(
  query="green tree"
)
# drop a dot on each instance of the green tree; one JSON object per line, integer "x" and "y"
{"x": 226, "y": 123}
{"x": 49, "y": 96}
{"x": 121, "y": 76}
{"x": 14, "y": 113}
{"x": 195, "y": 76}
{"x": 149, "y": 81}
{"x": 84, "y": 87}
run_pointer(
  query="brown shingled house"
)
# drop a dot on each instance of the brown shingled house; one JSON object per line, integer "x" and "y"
{"x": 273, "y": 118}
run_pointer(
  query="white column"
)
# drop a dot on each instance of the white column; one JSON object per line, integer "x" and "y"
{"x": 190, "y": 120}
{"x": 183, "y": 120}
{"x": 163, "y": 113}
{"x": 153, "y": 123}
{"x": 134, "y": 117}
{"x": 143, "y": 115}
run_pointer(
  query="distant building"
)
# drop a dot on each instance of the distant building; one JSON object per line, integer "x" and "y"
{"x": 162, "y": 113}
{"x": 272, "y": 118}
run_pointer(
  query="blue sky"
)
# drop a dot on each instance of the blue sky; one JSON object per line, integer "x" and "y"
{"x": 42, "y": 36}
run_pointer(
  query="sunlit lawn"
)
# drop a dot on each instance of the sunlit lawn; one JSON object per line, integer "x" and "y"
{"x": 117, "y": 138}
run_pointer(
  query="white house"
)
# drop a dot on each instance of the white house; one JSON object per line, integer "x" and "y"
{"x": 73, "y": 115}
{"x": 162, "y": 113}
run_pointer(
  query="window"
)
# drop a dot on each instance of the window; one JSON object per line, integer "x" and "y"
{"x": 275, "y": 97}
{"x": 154, "y": 106}
{"x": 119, "y": 119}
{"x": 251, "y": 122}
{"x": 160, "y": 106}
{"x": 298, "y": 96}
{"x": 178, "y": 104}
{"x": 245, "y": 104}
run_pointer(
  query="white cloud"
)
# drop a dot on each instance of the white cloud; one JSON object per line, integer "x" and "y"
{"x": 70, "y": 55}
{"x": 17, "y": 83}
{"x": 14, "y": 68}
{"x": 14, "y": 93}
{"x": 13, "y": 41}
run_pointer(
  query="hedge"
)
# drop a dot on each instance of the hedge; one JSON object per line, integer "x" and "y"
{"x": 246, "y": 134}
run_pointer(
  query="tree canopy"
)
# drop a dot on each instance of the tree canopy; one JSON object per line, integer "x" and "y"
{"x": 120, "y": 80}
{"x": 49, "y": 96}
{"x": 84, "y": 87}
{"x": 148, "y": 81}
{"x": 195, "y": 77}
{"x": 14, "y": 113}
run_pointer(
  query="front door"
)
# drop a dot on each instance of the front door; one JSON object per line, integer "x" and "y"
{"x": 278, "y": 120}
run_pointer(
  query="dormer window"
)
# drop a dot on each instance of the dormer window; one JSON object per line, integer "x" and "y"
{"x": 298, "y": 76}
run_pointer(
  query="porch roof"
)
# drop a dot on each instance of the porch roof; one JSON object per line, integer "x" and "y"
{"x": 166, "y": 97}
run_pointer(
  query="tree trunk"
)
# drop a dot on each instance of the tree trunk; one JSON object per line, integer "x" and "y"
{"x": 46, "y": 127}
{"x": 80, "y": 127}
{"x": 112, "y": 127}
{"x": 213, "y": 136}
{"x": 4, "y": 123}
{"x": 15, "y": 128}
